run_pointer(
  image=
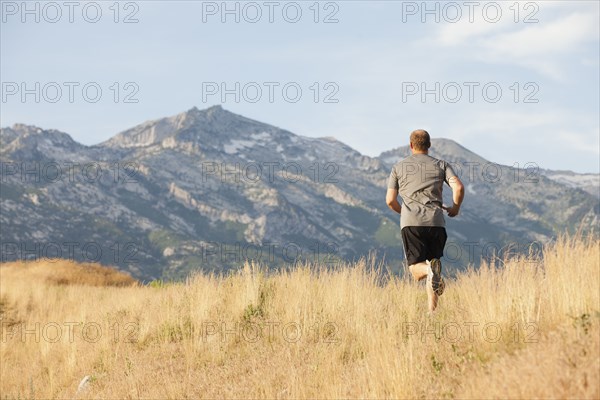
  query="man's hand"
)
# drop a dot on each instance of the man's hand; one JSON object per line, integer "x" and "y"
{"x": 453, "y": 210}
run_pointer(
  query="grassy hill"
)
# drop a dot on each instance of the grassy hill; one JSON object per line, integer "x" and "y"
{"x": 528, "y": 329}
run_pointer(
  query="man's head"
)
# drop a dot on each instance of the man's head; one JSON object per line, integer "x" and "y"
{"x": 420, "y": 141}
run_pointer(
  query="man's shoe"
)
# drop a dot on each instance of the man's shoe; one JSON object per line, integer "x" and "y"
{"x": 435, "y": 277}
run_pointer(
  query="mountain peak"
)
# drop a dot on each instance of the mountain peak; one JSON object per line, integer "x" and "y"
{"x": 195, "y": 111}
{"x": 31, "y": 139}
{"x": 213, "y": 109}
{"x": 208, "y": 112}
{"x": 155, "y": 131}
{"x": 19, "y": 130}
{"x": 190, "y": 126}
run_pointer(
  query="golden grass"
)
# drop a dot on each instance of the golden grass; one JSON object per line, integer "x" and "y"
{"x": 526, "y": 330}
{"x": 66, "y": 272}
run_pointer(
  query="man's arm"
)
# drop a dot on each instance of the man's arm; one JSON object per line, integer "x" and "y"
{"x": 391, "y": 198}
{"x": 458, "y": 194}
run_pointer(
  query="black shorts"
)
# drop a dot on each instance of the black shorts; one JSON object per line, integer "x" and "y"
{"x": 423, "y": 242}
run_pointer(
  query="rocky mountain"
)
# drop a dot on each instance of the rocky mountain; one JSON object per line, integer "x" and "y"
{"x": 208, "y": 189}
{"x": 588, "y": 182}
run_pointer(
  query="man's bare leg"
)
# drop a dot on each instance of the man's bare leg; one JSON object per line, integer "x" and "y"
{"x": 420, "y": 271}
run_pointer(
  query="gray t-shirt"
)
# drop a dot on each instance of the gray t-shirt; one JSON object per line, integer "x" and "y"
{"x": 419, "y": 180}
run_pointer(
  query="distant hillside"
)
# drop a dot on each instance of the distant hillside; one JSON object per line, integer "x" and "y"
{"x": 588, "y": 182}
{"x": 206, "y": 189}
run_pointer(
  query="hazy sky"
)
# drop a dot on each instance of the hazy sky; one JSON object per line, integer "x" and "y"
{"x": 516, "y": 82}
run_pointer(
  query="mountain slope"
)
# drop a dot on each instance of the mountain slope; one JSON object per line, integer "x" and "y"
{"x": 206, "y": 189}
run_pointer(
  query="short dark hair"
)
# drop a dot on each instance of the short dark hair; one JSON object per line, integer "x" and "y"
{"x": 420, "y": 140}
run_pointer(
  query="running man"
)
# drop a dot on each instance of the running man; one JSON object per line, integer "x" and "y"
{"x": 419, "y": 180}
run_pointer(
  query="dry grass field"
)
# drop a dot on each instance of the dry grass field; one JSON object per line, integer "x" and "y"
{"x": 529, "y": 329}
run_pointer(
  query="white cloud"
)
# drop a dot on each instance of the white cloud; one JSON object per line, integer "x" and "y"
{"x": 463, "y": 31}
{"x": 542, "y": 47}
{"x": 546, "y": 47}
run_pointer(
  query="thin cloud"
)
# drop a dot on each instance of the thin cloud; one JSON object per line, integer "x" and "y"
{"x": 546, "y": 47}
{"x": 542, "y": 47}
